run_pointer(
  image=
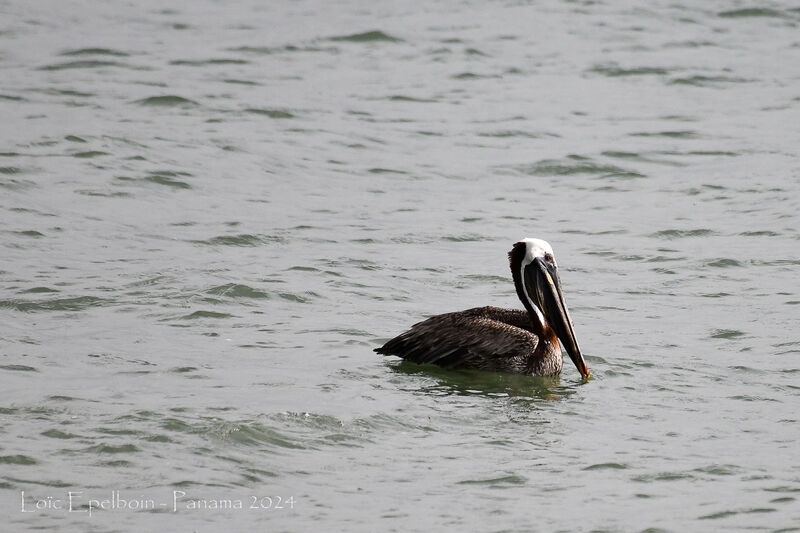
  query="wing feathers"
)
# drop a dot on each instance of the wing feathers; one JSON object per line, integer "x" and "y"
{"x": 475, "y": 338}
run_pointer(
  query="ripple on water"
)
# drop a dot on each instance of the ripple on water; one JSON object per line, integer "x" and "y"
{"x": 380, "y": 170}
{"x": 367, "y": 37}
{"x": 204, "y": 314}
{"x": 473, "y": 76}
{"x": 727, "y": 334}
{"x": 89, "y": 154}
{"x": 723, "y": 262}
{"x": 497, "y": 482}
{"x": 607, "y": 466}
{"x": 517, "y": 133}
{"x": 719, "y": 470}
{"x": 269, "y": 112}
{"x": 663, "y": 476}
{"x": 706, "y": 81}
{"x": 79, "y": 303}
{"x": 727, "y": 513}
{"x": 30, "y": 233}
{"x": 235, "y": 81}
{"x": 750, "y": 12}
{"x": 83, "y": 63}
{"x": 207, "y": 62}
{"x": 410, "y": 99}
{"x": 94, "y": 52}
{"x": 681, "y": 233}
{"x": 672, "y": 134}
{"x": 18, "y": 368}
{"x": 268, "y": 50}
{"x": 237, "y": 291}
{"x": 58, "y": 434}
{"x": 298, "y": 298}
{"x": 167, "y": 178}
{"x": 761, "y": 233}
{"x": 242, "y": 239}
{"x": 168, "y": 100}
{"x": 576, "y": 165}
{"x": 17, "y": 460}
{"x": 113, "y": 448}
{"x": 615, "y": 71}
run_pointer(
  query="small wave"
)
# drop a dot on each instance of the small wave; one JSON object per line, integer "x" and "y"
{"x": 719, "y": 470}
{"x": 712, "y": 153}
{"x": 727, "y": 334}
{"x": 378, "y": 170}
{"x": 268, "y": 50}
{"x": 681, "y": 233}
{"x": 726, "y": 514}
{"x": 184, "y": 369}
{"x": 207, "y": 62}
{"x": 473, "y": 76}
{"x": 18, "y": 368}
{"x": 689, "y": 44}
{"x": 167, "y": 177}
{"x": 706, "y": 81}
{"x": 113, "y": 449}
{"x": 512, "y": 479}
{"x": 663, "y": 476}
{"x": 168, "y": 100}
{"x": 164, "y": 180}
{"x": 367, "y": 37}
{"x": 724, "y": 262}
{"x": 576, "y": 165}
{"x": 297, "y": 298}
{"x": 518, "y": 133}
{"x": 89, "y": 154}
{"x": 269, "y": 112}
{"x": 475, "y": 52}
{"x": 58, "y": 434}
{"x": 240, "y": 82}
{"x": 17, "y": 460}
{"x": 235, "y": 290}
{"x": 607, "y": 466}
{"x": 411, "y": 99}
{"x": 94, "y": 52}
{"x": 615, "y": 71}
{"x": 751, "y": 12}
{"x": 80, "y": 303}
{"x": 37, "y": 290}
{"x": 466, "y": 238}
{"x": 84, "y": 63}
{"x": 205, "y": 314}
{"x": 242, "y": 239}
{"x": 30, "y": 233}
{"x": 675, "y": 134}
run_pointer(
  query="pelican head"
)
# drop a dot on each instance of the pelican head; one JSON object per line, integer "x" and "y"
{"x": 535, "y": 272}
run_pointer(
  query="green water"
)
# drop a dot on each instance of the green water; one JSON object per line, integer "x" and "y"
{"x": 211, "y": 213}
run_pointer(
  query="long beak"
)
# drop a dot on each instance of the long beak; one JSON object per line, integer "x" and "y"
{"x": 544, "y": 287}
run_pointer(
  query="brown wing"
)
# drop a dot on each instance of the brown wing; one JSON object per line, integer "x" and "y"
{"x": 484, "y": 338}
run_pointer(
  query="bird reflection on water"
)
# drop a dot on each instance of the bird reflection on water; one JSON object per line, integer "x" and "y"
{"x": 468, "y": 382}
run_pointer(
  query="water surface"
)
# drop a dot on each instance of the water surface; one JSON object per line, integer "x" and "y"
{"x": 211, "y": 213}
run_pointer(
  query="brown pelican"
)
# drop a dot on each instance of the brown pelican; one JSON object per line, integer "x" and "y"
{"x": 492, "y": 338}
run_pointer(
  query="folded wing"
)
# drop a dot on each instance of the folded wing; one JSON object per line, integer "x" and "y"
{"x": 487, "y": 338}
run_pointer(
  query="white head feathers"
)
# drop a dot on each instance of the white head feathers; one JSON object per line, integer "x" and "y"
{"x": 536, "y": 248}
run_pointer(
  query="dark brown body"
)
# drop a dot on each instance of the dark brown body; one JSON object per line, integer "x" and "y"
{"x": 486, "y": 338}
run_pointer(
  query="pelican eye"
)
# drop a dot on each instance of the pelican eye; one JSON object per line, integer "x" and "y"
{"x": 548, "y": 257}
